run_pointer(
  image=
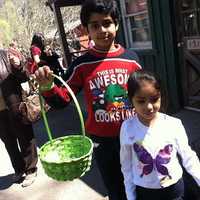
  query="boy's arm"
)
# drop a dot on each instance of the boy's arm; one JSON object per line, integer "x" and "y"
{"x": 59, "y": 97}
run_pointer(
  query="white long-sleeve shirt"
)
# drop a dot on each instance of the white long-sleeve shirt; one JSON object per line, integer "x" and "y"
{"x": 149, "y": 154}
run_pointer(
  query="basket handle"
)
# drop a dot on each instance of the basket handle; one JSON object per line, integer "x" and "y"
{"x": 76, "y": 104}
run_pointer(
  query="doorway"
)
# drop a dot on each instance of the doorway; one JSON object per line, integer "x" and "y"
{"x": 188, "y": 35}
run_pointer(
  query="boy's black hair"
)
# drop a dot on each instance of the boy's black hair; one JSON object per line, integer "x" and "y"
{"x": 106, "y": 7}
{"x": 142, "y": 75}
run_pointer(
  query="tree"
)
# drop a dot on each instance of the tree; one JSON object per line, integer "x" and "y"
{"x": 22, "y": 18}
{"x": 4, "y": 32}
{"x": 26, "y": 17}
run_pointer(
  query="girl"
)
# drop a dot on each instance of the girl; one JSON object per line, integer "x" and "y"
{"x": 150, "y": 142}
{"x": 42, "y": 54}
{"x": 37, "y": 52}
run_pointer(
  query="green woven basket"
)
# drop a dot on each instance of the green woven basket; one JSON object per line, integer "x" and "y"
{"x": 69, "y": 157}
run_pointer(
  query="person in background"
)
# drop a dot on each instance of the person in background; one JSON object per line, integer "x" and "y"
{"x": 37, "y": 51}
{"x": 52, "y": 60}
{"x": 102, "y": 73}
{"x": 42, "y": 54}
{"x": 150, "y": 142}
{"x": 140, "y": 18}
{"x": 13, "y": 50}
{"x": 13, "y": 131}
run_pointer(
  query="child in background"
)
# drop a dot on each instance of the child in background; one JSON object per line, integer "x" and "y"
{"x": 102, "y": 73}
{"x": 150, "y": 142}
{"x": 42, "y": 54}
{"x": 37, "y": 48}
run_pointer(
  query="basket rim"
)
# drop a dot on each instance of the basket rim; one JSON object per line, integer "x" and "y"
{"x": 71, "y": 160}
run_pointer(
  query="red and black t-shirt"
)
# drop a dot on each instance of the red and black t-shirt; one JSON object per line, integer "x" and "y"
{"x": 103, "y": 77}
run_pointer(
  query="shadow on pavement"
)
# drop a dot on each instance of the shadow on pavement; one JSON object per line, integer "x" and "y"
{"x": 5, "y": 181}
{"x": 61, "y": 122}
{"x": 93, "y": 179}
{"x": 66, "y": 122}
{"x": 190, "y": 120}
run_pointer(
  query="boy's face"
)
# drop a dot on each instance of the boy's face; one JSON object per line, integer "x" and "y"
{"x": 102, "y": 31}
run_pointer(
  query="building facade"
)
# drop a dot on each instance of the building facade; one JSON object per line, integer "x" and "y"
{"x": 166, "y": 36}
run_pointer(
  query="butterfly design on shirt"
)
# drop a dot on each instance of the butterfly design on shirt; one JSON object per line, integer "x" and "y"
{"x": 163, "y": 157}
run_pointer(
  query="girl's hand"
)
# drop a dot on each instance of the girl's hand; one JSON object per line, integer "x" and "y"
{"x": 43, "y": 76}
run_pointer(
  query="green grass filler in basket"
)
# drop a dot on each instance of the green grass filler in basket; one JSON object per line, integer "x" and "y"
{"x": 69, "y": 157}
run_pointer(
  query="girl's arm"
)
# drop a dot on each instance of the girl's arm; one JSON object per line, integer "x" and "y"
{"x": 36, "y": 52}
{"x": 36, "y": 58}
{"x": 126, "y": 165}
{"x": 190, "y": 159}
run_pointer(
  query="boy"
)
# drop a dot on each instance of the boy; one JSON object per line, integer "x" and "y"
{"x": 103, "y": 74}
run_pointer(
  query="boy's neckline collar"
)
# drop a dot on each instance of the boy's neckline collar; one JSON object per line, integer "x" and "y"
{"x": 119, "y": 49}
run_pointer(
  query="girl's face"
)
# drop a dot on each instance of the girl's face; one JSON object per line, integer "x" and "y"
{"x": 147, "y": 102}
{"x": 102, "y": 31}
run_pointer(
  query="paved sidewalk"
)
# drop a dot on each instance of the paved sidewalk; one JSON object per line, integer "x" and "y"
{"x": 191, "y": 122}
{"x": 43, "y": 188}
{"x": 89, "y": 187}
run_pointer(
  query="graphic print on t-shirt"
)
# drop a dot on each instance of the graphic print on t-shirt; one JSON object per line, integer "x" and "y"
{"x": 109, "y": 96}
{"x": 149, "y": 164}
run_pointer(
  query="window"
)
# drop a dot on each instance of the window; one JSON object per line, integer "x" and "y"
{"x": 136, "y": 24}
{"x": 191, "y": 17}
